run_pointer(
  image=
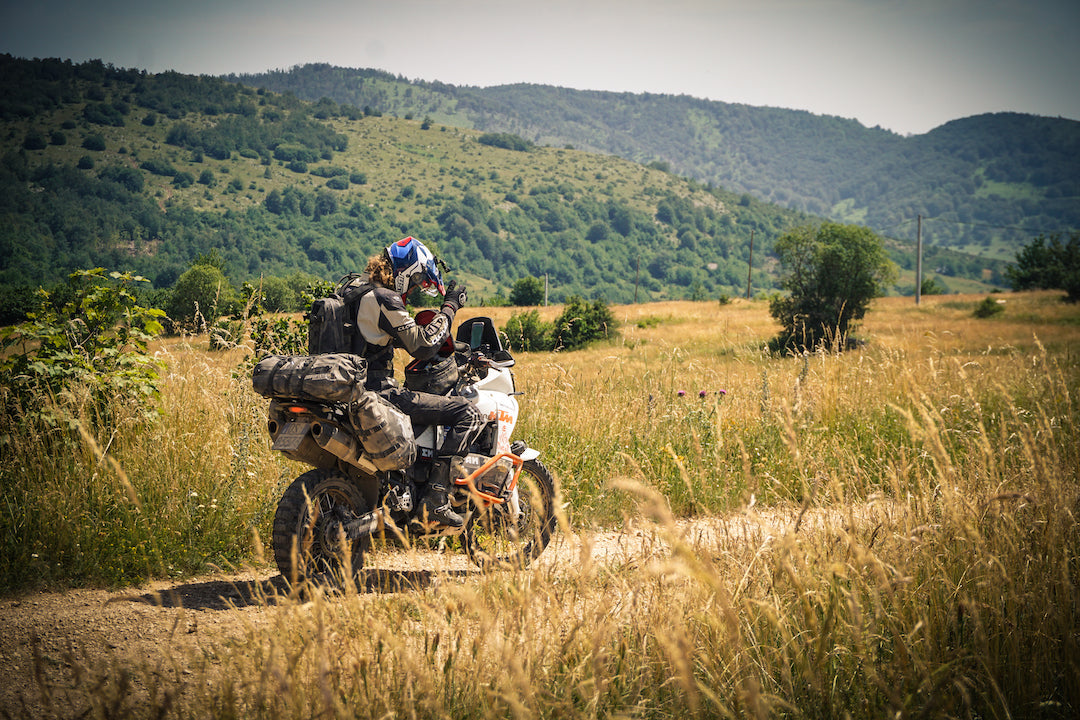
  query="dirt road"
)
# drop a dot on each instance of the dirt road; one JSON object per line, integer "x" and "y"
{"x": 46, "y": 636}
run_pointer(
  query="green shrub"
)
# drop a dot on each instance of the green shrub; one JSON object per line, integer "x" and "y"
{"x": 989, "y": 307}
{"x": 507, "y": 141}
{"x": 527, "y": 291}
{"x": 91, "y": 335}
{"x": 94, "y": 142}
{"x": 525, "y": 331}
{"x": 582, "y": 322}
{"x": 201, "y": 295}
{"x": 183, "y": 180}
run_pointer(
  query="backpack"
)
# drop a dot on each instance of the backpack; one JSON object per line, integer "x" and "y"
{"x": 332, "y": 319}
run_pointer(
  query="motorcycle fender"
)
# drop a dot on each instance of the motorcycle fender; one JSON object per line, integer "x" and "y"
{"x": 529, "y": 454}
{"x": 291, "y": 435}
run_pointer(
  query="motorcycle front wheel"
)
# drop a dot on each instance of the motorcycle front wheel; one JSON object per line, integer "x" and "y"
{"x": 494, "y": 538}
{"x": 307, "y": 537}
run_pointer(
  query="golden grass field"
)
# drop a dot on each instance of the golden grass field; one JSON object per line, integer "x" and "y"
{"x": 890, "y": 531}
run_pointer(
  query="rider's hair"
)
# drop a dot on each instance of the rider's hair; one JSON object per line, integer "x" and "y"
{"x": 380, "y": 270}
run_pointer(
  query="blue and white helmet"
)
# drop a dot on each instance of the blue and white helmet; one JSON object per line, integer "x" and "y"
{"x": 414, "y": 266}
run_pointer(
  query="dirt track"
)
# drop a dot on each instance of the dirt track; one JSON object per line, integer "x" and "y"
{"x": 50, "y": 633}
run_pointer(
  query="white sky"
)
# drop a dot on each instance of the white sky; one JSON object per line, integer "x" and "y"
{"x": 906, "y": 65}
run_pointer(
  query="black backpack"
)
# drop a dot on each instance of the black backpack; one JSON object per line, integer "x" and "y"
{"x": 332, "y": 319}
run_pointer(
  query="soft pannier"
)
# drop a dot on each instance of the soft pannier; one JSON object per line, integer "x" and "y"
{"x": 385, "y": 432}
{"x": 335, "y": 377}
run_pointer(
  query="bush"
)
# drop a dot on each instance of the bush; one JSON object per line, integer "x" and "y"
{"x": 1049, "y": 263}
{"x": 94, "y": 142}
{"x": 583, "y": 322}
{"x": 158, "y": 166}
{"x": 329, "y": 171}
{"x": 507, "y": 141}
{"x": 34, "y": 141}
{"x": 94, "y": 340}
{"x": 526, "y": 332}
{"x": 201, "y": 295}
{"x": 989, "y": 307}
{"x": 128, "y": 177}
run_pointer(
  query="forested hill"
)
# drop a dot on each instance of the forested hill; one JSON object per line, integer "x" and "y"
{"x": 119, "y": 168}
{"x": 986, "y": 184}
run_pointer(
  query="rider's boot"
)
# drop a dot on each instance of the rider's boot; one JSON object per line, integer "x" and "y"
{"x": 436, "y": 502}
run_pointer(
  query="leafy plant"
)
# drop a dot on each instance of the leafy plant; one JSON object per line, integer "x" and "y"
{"x": 989, "y": 307}
{"x": 582, "y": 322}
{"x": 527, "y": 332}
{"x": 201, "y": 295}
{"x": 96, "y": 339}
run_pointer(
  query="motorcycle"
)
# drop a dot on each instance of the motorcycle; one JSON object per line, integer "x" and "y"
{"x": 327, "y": 517}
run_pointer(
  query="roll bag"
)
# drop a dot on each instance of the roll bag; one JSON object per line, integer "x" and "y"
{"x": 334, "y": 377}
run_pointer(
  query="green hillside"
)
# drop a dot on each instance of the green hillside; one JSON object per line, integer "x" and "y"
{"x": 101, "y": 166}
{"x": 985, "y": 184}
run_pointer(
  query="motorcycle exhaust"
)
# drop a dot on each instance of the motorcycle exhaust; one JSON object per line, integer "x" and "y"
{"x": 366, "y": 524}
{"x": 341, "y": 444}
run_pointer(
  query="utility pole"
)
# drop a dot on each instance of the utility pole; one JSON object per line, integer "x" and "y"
{"x": 750, "y": 268}
{"x": 637, "y": 276}
{"x": 918, "y": 263}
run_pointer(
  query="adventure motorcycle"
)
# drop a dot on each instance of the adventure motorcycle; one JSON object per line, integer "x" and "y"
{"x": 327, "y": 516}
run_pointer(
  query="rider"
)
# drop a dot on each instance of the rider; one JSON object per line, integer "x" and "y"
{"x": 384, "y": 323}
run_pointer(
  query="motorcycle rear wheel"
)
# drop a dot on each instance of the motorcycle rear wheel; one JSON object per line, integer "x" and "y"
{"x": 493, "y": 540}
{"x": 306, "y": 538}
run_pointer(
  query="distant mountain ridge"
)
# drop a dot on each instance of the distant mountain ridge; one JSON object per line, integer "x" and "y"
{"x": 127, "y": 170}
{"x": 985, "y": 184}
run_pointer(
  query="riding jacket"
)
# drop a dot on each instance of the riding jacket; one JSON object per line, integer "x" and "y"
{"x": 384, "y": 323}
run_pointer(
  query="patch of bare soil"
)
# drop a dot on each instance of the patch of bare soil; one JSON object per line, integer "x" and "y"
{"x": 46, "y": 636}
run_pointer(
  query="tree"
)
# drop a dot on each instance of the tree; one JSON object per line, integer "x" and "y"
{"x": 203, "y": 294}
{"x": 831, "y": 272}
{"x": 526, "y": 292}
{"x": 1048, "y": 263}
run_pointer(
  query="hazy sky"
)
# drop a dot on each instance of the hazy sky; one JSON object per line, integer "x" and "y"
{"x": 907, "y": 65}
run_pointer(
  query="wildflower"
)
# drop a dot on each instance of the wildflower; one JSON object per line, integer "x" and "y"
{"x": 681, "y": 393}
{"x": 702, "y": 394}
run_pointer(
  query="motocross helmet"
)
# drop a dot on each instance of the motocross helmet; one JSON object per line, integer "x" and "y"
{"x": 414, "y": 266}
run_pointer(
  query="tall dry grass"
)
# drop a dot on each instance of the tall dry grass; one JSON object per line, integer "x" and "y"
{"x": 890, "y": 531}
